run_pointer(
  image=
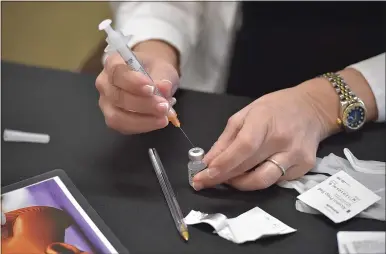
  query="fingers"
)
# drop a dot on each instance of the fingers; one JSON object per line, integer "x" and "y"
{"x": 264, "y": 175}
{"x": 248, "y": 164}
{"x": 120, "y": 75}
{"x": 172, "y": 101}
{"x": 246, "y": 143}
{"x": 166, "y": 78}
{"x": 130, "y": 101}
{"x": 116, "y": 72}
{"x": 166, "y": 87}
{"x": 154, "y": 105}
{"x": 268, "y": 173}
{"x": 231, "y": 130}
{"x": 232, "y": 159}
{"x": 230, "y": 153}
{"x": 223, "y": 142}
{"x": 129, "y": 122}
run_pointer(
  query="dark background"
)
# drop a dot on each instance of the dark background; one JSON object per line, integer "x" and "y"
{"x": 282, "y": 44}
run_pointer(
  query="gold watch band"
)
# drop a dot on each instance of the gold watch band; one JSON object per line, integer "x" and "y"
{"x": 346, "y": 96}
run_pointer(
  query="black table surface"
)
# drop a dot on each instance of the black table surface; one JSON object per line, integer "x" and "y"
{"x": 115, "y": 175}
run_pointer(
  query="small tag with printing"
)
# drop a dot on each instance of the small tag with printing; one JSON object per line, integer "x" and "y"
{"x": 339, "y": 197}
{"x": 358, "y": 242}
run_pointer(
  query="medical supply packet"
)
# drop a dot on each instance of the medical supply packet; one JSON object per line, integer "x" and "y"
{"x": 365, "y": 172}
{"x": 249, "y": 226}
{"x": 359, "y": 242}
{"x": 340, "y": 197}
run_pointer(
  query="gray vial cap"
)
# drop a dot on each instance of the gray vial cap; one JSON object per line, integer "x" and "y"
{"x": 196, "y": 154}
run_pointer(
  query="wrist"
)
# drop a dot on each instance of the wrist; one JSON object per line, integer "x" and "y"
{"x": 159, "y": 49}
{"x": 325, "y": 103}
{"x": 324, "y": 99}
{"x": 361, "y": 88}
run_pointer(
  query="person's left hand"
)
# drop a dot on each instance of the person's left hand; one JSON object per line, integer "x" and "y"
{"x": 285, "y": 126}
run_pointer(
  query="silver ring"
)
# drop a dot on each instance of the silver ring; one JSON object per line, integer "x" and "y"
{"x": 278, "y": 165}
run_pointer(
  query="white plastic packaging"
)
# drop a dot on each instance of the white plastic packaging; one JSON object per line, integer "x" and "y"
{"x": 21, "y": 136}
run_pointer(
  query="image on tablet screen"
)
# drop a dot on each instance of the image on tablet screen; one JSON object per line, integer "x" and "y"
{"x": 45, "y": 218}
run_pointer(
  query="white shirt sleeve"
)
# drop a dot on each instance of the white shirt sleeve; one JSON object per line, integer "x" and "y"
{"x": 373, "y": 69}
{"x": 176, "y": 23}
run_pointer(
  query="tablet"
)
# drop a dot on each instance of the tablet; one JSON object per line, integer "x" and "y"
{"x": 47, "y": 214}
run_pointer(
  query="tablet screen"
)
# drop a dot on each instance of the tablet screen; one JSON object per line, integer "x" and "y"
{"x": 46, "y": 218}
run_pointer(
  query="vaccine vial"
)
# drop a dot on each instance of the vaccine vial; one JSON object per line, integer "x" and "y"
{"x": 195, "y": 164}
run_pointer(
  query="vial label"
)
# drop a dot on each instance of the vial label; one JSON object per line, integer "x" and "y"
{"x": 194, "y": 168}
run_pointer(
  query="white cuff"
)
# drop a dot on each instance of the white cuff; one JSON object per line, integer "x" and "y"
{"x": 157, "y": 29}
{"x": 373, "y": 69}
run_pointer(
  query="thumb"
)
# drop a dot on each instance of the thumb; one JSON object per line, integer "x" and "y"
{"x": 165, "y": 78}
{"x": 166, "y": 87}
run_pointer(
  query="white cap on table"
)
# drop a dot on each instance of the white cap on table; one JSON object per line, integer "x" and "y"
{"x": 21, "y": 136}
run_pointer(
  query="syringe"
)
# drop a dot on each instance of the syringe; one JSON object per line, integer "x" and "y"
{"x": 118, "y": 42}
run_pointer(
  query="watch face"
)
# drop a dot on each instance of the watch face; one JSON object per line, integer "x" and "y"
{"x": 354, "y": 116}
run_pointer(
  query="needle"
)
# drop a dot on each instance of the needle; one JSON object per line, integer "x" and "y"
{"x": 186, "y": 137}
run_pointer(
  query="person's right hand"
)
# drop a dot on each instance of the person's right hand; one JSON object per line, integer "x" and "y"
{"x": 127, "y": 98}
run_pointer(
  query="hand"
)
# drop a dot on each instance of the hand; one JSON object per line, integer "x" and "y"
{"x": 127, "y": 99}
{"x": 285, "y": 126}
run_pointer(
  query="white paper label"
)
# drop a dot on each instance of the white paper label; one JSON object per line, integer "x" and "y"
{"x": 361, "y": 242}
{"x": 340, "y": 197}
{"x": 249, "y": 226}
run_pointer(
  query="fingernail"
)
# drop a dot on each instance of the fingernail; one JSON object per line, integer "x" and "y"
{"x": 149, "y": 89}
{"x": 212, "y": 172}
{"x": 163, "y": 107}
{"x": 174, "y": 89}
{"x": 167, "y": 86}
{"x": 172, "y": 101}
{"x": 166, "y": 80}
{"x": 197, "y": 186}
{"x": 205, "y": 159}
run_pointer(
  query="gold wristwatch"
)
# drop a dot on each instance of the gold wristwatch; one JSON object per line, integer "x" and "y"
{"x": 353, "y": 111}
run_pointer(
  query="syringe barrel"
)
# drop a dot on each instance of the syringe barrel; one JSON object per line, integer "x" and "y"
{"x": 131, "y": 60}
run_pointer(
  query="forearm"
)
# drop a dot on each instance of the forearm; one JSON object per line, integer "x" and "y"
{"x": 159, "y": 49}
{"x": 326, "y": 102}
